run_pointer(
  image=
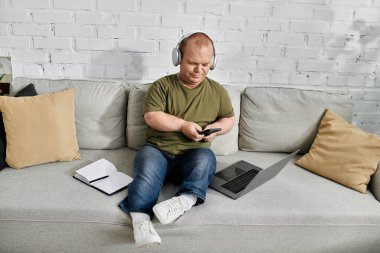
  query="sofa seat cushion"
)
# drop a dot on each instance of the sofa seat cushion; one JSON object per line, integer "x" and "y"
{"x": 100, "y": 109}
{"x": 275, "y": 119}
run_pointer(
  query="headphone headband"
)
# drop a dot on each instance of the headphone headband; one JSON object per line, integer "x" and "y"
{"x": 177, "y": 55}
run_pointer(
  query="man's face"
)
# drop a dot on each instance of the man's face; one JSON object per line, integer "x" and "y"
{"x": 195, "y": 64}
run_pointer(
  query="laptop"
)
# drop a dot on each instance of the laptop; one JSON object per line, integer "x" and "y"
{"x": 242, "y": 177}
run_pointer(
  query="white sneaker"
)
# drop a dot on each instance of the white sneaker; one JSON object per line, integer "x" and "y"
{"x": 145, "y": 235}
{"x": 168, "y": 210}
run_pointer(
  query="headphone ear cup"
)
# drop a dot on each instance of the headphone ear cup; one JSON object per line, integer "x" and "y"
{"x": 176, "y": 56}
{"x": 213, "y": 62}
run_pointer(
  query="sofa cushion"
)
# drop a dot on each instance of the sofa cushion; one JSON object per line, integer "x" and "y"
{"x": 343, "y": 152}
{"x": 277, "y": 119}
{"x": 27, "y": 91}
{"x": 100, "y": 109}
{"x": 40, "y": 129}
{"x": 136, "y": 127}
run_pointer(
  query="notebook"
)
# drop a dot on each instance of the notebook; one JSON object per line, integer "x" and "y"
{"x": 242, "y": 177}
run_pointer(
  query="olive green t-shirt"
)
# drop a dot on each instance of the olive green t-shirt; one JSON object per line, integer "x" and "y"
{"x": 203, "y": 105}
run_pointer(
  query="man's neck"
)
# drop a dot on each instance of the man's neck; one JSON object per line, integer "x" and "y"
{"x": 189, "y": 86}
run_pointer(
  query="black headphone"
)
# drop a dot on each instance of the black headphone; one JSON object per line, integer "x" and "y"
{"x": 177, "y": 56}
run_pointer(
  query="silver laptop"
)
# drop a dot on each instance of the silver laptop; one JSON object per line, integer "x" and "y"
{"x": 242, "y": 177}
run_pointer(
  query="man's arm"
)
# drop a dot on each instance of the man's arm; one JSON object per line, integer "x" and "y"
{"x": 162, "y": 121}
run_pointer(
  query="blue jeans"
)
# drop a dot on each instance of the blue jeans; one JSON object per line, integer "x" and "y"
{"x": 193, "y": 171}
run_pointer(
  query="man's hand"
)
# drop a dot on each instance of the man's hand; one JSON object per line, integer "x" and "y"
{"x": 191, "y": 131}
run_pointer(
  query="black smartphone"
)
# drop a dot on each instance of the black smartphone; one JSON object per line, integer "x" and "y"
{"x": 210, "y": 131}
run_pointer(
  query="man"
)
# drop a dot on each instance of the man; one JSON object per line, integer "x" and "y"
{"x": 176, "y": 109}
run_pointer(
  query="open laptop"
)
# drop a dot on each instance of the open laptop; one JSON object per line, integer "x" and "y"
{"x": 242, "y": 177}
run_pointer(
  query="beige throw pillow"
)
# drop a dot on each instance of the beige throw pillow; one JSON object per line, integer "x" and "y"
{"x": 40, "y": 129}
{"x": 343, "y": 152}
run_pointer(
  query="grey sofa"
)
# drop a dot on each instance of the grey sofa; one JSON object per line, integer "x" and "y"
{"x": 43, "y": 209}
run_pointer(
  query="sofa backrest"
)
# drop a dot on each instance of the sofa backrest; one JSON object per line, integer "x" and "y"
{"x": 275, "y": 119}
{"x": 100, "y": 109}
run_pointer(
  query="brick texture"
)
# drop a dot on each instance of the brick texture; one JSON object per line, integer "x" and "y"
{"x": 329, "y": 45}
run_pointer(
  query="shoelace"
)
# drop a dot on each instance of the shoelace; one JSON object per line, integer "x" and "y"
{"x": 174, "y": 207}
{"x": 145, "y": 227}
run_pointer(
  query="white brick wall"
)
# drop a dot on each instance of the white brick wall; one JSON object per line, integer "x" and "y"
{"x": 313, "y": 44}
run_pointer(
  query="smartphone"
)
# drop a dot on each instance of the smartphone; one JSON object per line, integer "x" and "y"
{"x": 210, "y": 131}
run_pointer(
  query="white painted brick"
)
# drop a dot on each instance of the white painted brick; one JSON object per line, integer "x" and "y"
{"x": 358, "y": 81}
{"x": 211, "y": 22}
{"x": 368, "y": 15}
{"x": 296, "y": 52}
{"x": 137, "y": 46}
{"x": 260, "y": 78}
{"x": 73, "y": 71}
{"x": 73, "y": 4}
{"x": 94, "y": 71}
{"x": 13, "y": 16}
{"x": 138, "y": 19}
{"x": 166, "y": 46}
{"x": 229, "y": 48}
{"x": 371, "y": 127}
{"x": 314, "y": 40}
{"x": 378, "y": 70}
{"x": 182, "y": 21}
{"x": 317, "y": 66}
{"x": 47, "y": 17}
{"x": 159, "y": 34}
{"x": 230, "y": 23}
{"x": 115, "y": 72}
{"x": 376, "y": 3}
{"x": 334, "y": 14}
{"x": 255, "y": 38}
{"x": 32, "y": 70}
{"x": 309, "y": 27}
{"x": 37, "y": 30}
{"x": 268, "y": 51}
{"x": 3, "y": 29}
{"x": 323, "y": 2}
{"x": 160, "y": 6}
{"x": 292, "y": 12}
{"x": 30, "y": 57}
{"x": 88, "y": 18}
{"x": 52, "y": 43}
{"x": 281, "y": 65}
{"x": 356, "y": 3}
{"x": 74, "y": 31}
{"x": 279, "y": 78}
{"x": 117, "y": 32}
{"x": 51, "y": 70}
{"x": 230, "y": 62}
{"x": 152, "y": 60}
{"x": 265, "y": 24}
{"x": 299, "y": 79}
{"x": 342, "y": 53}
{"x": 2, "y": 4}
{"x": 368, "y": 117}
{"x": 334, "y": 41}
{"x": 317, "y": 79}
{"x": 30, "y": 4}
{"x": 116, "y": 5}
{"x": 371, "y": 95}
{"x": 336, "y": 80}
{"x": 95, "y": 44}
{"x": 69, "y": 58}
{"x": 239, "y": 77}
{"x": 281, "y": 38}
{"x": 14, "y": 42}
{"x": 358, "y": 68}
{"x": 111, "y": 58}
{"x": 204, "y": 7}
{"x": 249, "y": 10}
{"x": 366, "y": 106}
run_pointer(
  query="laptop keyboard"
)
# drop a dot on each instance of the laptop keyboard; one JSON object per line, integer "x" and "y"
{"x": 239, "y": 183}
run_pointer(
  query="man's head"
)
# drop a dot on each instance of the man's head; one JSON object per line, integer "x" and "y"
{"x": 197, "y": 57}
